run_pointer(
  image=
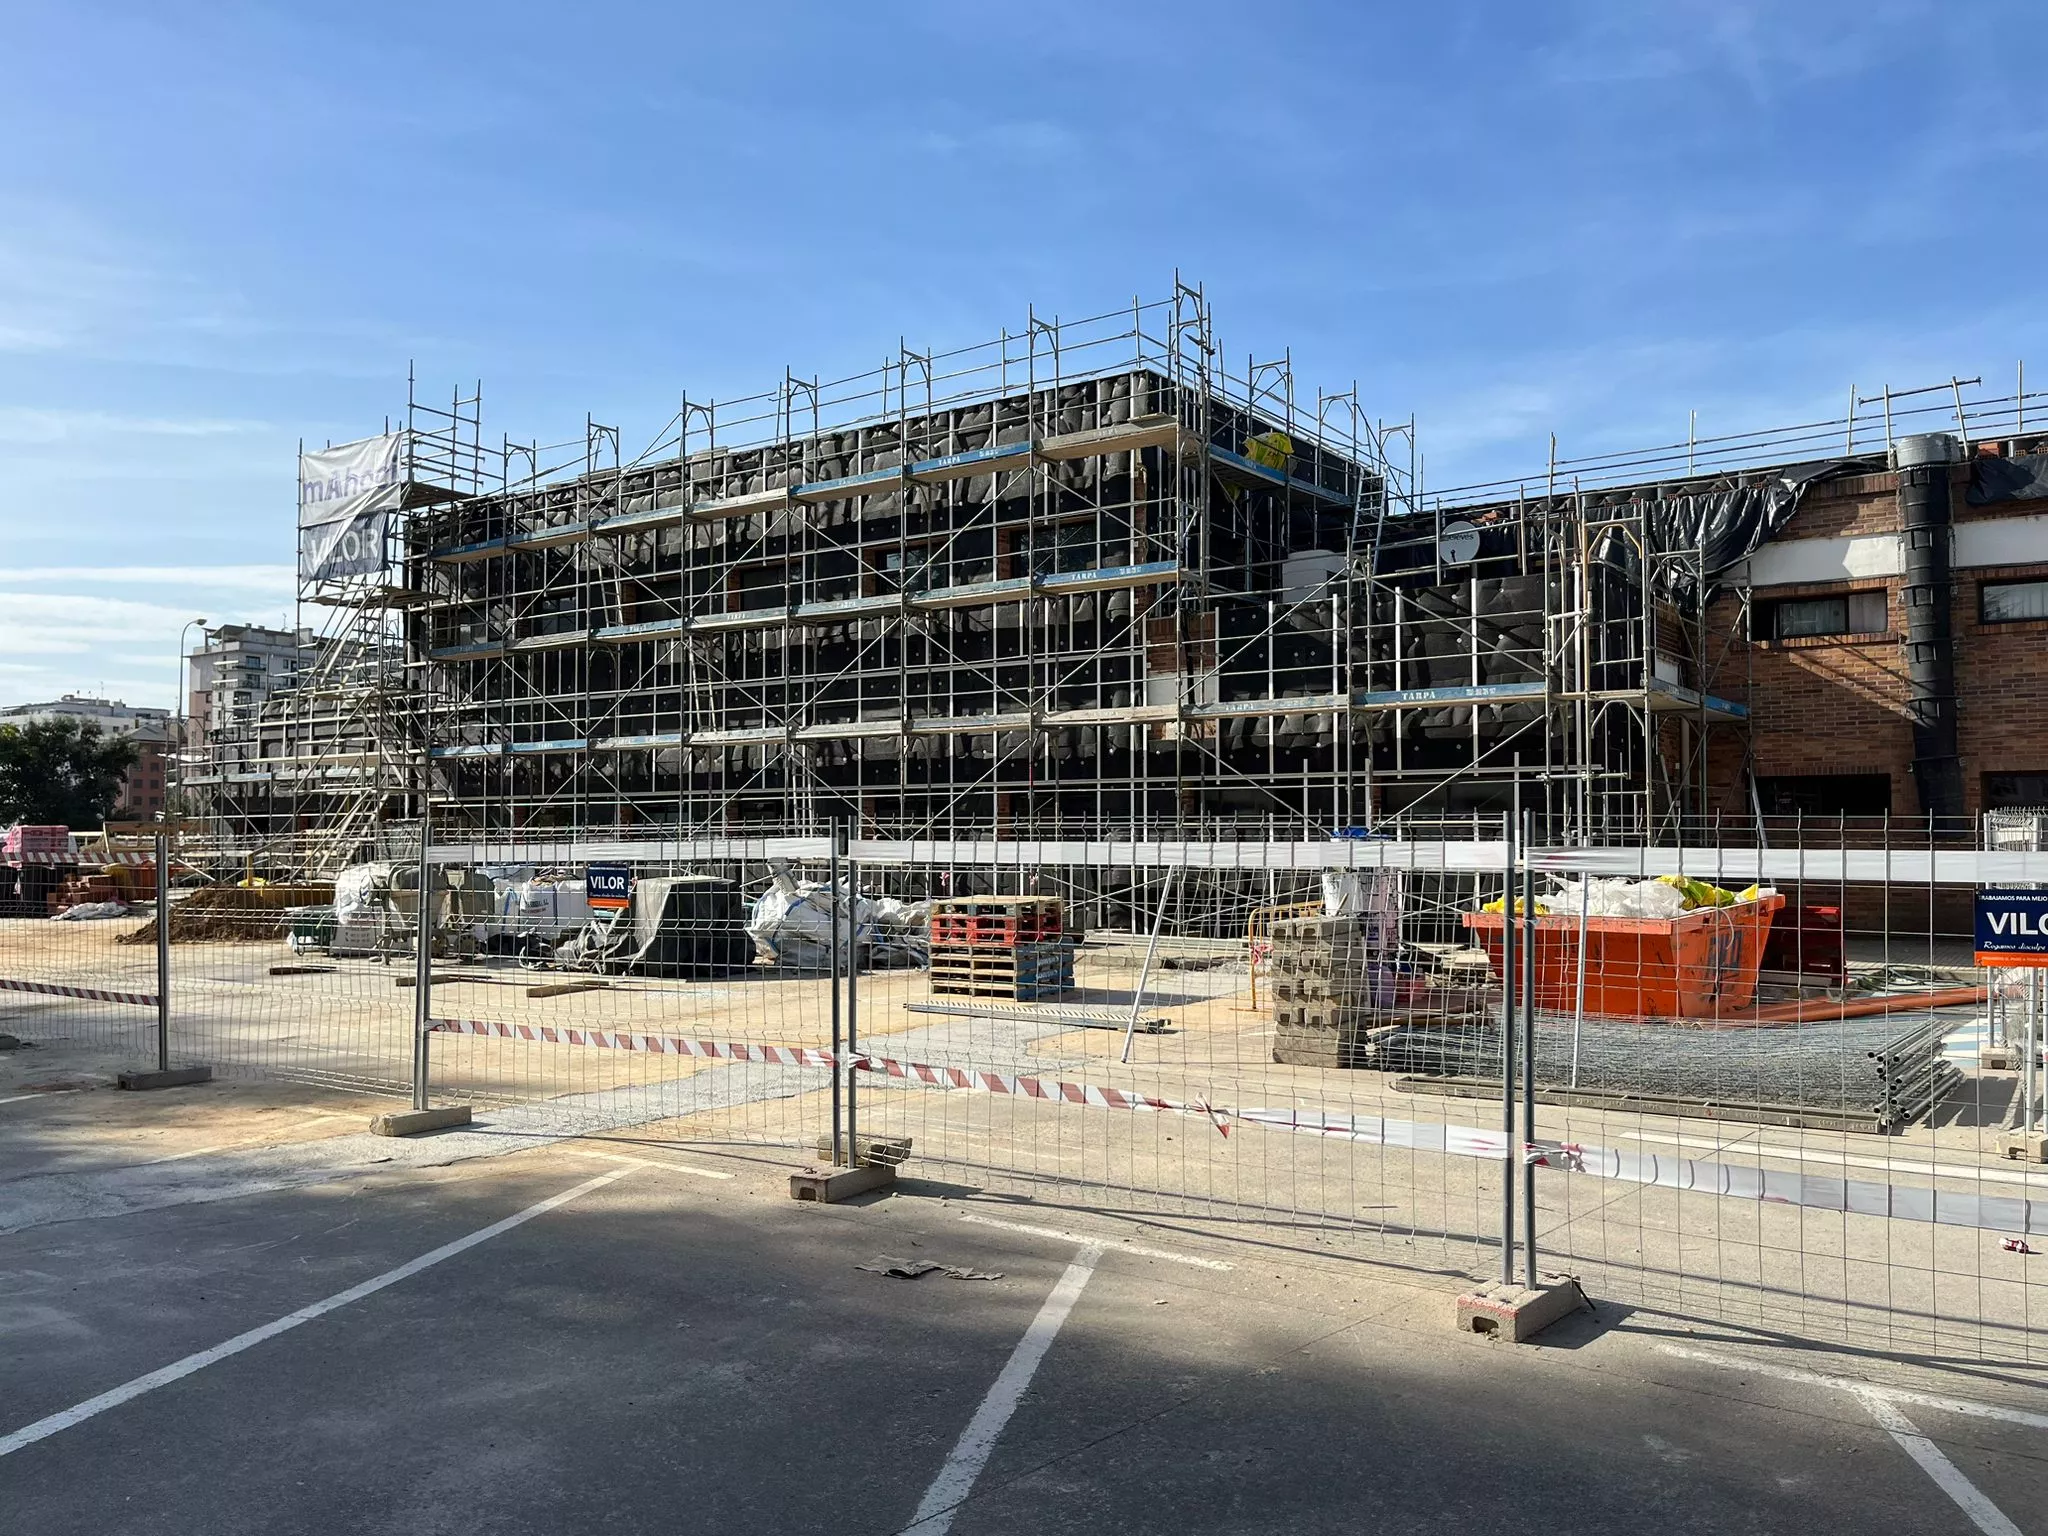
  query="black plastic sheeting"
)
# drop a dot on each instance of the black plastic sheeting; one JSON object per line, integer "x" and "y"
{"x": 1725, "y": 526}
{"x": 1995, "y": 480}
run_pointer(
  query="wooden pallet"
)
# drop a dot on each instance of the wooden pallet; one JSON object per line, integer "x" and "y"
{"x": 1006, "y": 920}
{"x": 1021, "y": 971}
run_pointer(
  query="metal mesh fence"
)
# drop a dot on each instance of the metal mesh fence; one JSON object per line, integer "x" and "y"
{"x": 1771, "y": 1086}
{"x": 79, "y": 977}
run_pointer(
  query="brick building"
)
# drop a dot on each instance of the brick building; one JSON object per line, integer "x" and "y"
{"x": 143, "y": 786}
{"x": 1824, "y": 650}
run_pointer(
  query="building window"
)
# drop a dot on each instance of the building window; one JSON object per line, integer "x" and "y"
{"x": 2007, "y": 602}
{"x": 1850, "y": 613}
{"x": 2015, "y": 791}
{"x": 1826, "y": 794}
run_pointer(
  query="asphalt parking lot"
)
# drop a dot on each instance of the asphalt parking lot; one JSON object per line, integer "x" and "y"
{"x": 610, "y": 1335}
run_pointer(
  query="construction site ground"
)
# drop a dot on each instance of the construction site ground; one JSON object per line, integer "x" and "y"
{"x": 345, "y": 1025}
{"x": 683, "y": 1347}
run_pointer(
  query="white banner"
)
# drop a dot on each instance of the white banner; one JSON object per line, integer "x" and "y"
{"x": 345, "y": 494}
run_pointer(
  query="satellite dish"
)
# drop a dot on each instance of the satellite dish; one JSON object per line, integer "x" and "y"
{"x": 1458, "y": 544}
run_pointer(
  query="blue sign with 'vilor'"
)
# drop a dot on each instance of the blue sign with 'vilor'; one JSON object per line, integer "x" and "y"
{"x": 2012, "y": 927}
{"x": 609, "y": 887}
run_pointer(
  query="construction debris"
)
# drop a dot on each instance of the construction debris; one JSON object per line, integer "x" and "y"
{"x": 914, "y": 1269}
{"x": 91, "y": 911}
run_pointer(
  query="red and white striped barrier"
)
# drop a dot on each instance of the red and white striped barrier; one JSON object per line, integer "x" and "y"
{"x": 95, "y": 861}
{"x": 804, "y": 1056}
{"x": 1039, "y": 1088}
{"x": 1728, "y": 1180}
{"x": 90, "y": 994}
{"x": 653, "y": 1045}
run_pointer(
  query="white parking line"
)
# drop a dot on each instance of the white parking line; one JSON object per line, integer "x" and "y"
{"x": 233, "y": 1146}
{"x": 48, "y": 1093}
{"x": 652, "y": 1162}
{"x": 955, "y": 1481}
{"x": 1103, "y": 1242}
{"x": 43, "y": 1428}
{"x": 1987, "y": 1516}
{"x": 1883, "y": 1406}
{"x": 1969, "y": 1407}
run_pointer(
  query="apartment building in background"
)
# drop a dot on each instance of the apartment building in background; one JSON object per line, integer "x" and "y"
{"x": 237, "y": 671}
{"x": 152, "y": 730}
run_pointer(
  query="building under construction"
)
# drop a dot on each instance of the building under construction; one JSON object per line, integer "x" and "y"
{"x": 1086, "y": 578}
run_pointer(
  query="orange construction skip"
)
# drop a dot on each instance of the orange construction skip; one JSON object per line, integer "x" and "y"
{"x": 1698, "y": 965}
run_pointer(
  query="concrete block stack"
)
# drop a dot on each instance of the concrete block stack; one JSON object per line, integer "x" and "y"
{"x": 1328, "y": 976}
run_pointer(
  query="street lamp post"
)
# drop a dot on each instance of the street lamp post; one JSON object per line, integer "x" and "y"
{"x": 184, "y": 700}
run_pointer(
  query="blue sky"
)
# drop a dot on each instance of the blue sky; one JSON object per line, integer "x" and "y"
{"x": 225, "y": 227}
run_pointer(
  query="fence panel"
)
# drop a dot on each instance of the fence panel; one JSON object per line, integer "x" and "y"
{"x": 1790, "y": 1111}
{"x": 1771, "y": 1087}
{"x": 1125, "y": 1064}
{"x": 91, "y": 976}
{"x": 259, "y": 992}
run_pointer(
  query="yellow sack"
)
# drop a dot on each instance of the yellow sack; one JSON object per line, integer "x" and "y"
{"x": 1698, "y": 893}
{"x": 1274, "y": 450}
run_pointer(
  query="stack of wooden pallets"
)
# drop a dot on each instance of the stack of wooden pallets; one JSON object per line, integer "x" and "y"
{"x": 1001, "y": 946}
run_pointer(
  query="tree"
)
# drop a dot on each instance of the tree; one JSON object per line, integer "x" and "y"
{"x": 60, "y": 772}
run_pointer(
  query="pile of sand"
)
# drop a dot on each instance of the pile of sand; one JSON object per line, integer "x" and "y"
{"x": 225, "y": 913}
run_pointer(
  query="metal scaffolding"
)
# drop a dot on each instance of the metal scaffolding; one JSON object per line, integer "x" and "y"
{"x": 1084, "y": 579}
{"x": 1029, "y": 585}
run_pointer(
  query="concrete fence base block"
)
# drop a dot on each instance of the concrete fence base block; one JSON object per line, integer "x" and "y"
{"x": 171, "y": 1077}
{"x": 890, "y": 1150}
{"x": 1998, "y": 1058}
{"x": 412, "y": 1122}
{"x": 2027, "y": 1146}
{"x": 826, "y": 1185}
{"x": 1515, "y": 1312}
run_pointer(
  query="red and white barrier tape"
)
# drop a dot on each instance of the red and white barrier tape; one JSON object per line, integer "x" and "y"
{"x": 804, "y": 1056}
{"x": 91, "y": 994}
{"x": 1040, "y": 1088}
{"x": 653, "y": 1045}
{"x": 94, "y": 861}
{"x": 1898, "y": 1202}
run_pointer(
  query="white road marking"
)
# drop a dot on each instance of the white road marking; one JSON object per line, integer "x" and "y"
{"x": 232, "y": 1146}
{"x": 1987, "y": 1516}
{"x": 1102, "y": 1242}
{"x": 955, "y": 1481}
{"x": 48, "y": 1093}
{"x": 1969, "y": 1407}
{"x": 652, "y": 1162}
{"x": 43, "y": 1428}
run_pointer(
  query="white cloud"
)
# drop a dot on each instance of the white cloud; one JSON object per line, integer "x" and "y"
{"x": 33, "y": 425}
{"x": 104, "y": 641}
{"x": 1021, "y": 139}
{"x": 1770, "y": 51}
{"x": 278, "y": 582}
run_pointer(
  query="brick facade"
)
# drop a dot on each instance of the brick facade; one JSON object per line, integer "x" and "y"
{"x": 1837, "y": 704}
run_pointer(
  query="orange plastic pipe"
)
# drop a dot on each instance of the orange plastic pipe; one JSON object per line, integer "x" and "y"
{"x": 1862, "y": 1007}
